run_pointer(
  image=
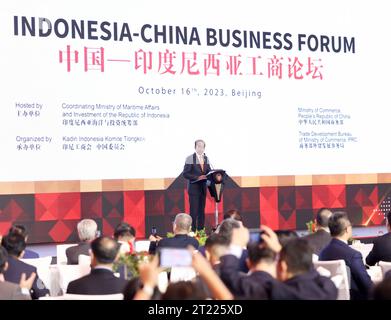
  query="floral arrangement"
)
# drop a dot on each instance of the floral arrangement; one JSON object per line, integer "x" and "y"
{"x": 130, "y": 261}
{"x": 311, "y": 226}
{"x": 200, "y": 235}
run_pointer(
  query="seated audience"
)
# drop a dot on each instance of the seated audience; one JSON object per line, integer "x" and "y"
{"x": 18, "y": 228}
{"x": 9, "y": 290}
{"x": 125, "y": 235}
{"x": 261, "y": 263}
{"x": 181, "y": 239}
{"x": 381, "y": 250}
{"x": 149, "y": 277}
{"x": 321, "y": 237}
{"x": 294, "y": 269}
{"x": 15, "y": 244}
{"x": 300, "y": 280}
{"x": 216, "y": 246}
{"x": 87, "y": 230}
{"x": 226, "y": 230}
{"x": 338, "y": 248}
{"x": 101, "y": 280}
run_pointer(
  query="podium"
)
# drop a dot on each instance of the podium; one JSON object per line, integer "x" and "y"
{"x": 215, "y": 183}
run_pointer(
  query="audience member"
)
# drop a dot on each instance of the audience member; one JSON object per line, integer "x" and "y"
{"x": 87, "y": 230}
{"x": 321, "y": 237}
{"x": 226, "y": 230}
{"x": 338, "y": 248}
{"x": 301, "y": 281}
{"x": 101, "y": 280}
{"x": 261, "y": 263}
{"x": 125, "y": 235}
{"x": 381, "y": 250}
{"x": 9, "y": 290}
{"x": 181, "y": 227}
{"x": 15, "y": 244}
{"x": 18, "y": 228}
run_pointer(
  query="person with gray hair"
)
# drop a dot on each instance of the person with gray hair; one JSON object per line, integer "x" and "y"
{"x": 101, "y": 280}
{"x": 181, "y": 227}
{"x": 87, "y": 230}
{"x": 226, "y": 227}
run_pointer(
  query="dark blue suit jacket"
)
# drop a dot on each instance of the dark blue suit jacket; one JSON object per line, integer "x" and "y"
{"x": 192, "y": 171}
{"x": 307, "y": 286}
{"x": 28, "y": 254}
{"x": 99, "y": 281}
{"x": 178, "y": 241}
{"x": 254, "y": 286}
{"x": 361, "y": 282}
{"x": 14, "y": 272}
{"x": 381, "y": 250}
{"x": 261, "y": 285}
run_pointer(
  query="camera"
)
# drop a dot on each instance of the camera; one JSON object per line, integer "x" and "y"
{"x": 175, "y": 257}
{"x": 256, "y": 235}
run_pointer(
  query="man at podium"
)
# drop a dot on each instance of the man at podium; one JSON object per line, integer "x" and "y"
{"x": 196, "y": 168}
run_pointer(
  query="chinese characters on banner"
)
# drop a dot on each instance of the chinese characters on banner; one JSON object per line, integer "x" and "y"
{"x": 192, "y": 63}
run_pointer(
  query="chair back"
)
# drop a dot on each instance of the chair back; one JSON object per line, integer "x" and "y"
{"x": 141, "y": 245}
{"x": 363, "y": 248}
{"x": 116, "y": 296}
{"x": 84, "y": 260}
{"x": 385, "y": 266}
{"x": 68, "y": 273}
{"x": 339, "y": 275}
{"x": 43, "y": 268}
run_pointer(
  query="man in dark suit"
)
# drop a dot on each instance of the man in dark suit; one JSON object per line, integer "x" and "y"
{"x": 321, "y": 238}
{"x": 381, "y": 250}
{"x": 300, "y": 281}
{"x": 15, "y": 244}
{"x": 338, "y": 248}
{"x": 196, "y": 167}
{"x": 101, "y": 280}
{"x": 225, "y": 229}
{"x": 256, "y": 284}
{"x": 18, "y": 228}
{"x": 87, "y": 230}
{"x": 297, "y": 278}
{"x": 181, "y": 227}
{"x": 9, "y": 290}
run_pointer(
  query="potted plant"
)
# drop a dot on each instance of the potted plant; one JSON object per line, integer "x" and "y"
{"x": 311, "y": 226}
